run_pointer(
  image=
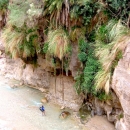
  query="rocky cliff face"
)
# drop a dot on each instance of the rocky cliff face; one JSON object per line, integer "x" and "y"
{"x": 121, "y": 86}
{"x": 42, "y": 78}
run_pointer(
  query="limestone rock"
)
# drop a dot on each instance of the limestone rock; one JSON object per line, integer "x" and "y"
{"x": 121, "y": 86}
{"x": 75, "y": 64}
{"x": 99, "y": 123}
{"x": 43, "y": 90}
{"x": 36, "y": 76}
{"x": 71, "y": 99}
{"x": 21, "y": 83}
{"x": 44, "y": 100}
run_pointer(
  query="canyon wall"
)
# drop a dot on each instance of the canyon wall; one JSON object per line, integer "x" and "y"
{"x": 121, "y": 86}
{"x": 42, "y": 77}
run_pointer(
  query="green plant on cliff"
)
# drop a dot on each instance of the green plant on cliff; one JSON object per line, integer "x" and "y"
{"x": 85, "y": 81}
{"x": 60, "y": 23}
{"x": 58, "y": 43}
{"x": 20, "y": 42}
{"x": 119, "y": 9}
{"x": 111, "y": 39}
{"x": 3, "y": 4}
{"x": 18, "y": 13}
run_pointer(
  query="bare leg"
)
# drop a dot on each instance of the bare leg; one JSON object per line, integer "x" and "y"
{"x": 43, "y": 113}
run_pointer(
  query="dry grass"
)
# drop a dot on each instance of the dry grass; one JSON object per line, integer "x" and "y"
{"x": 58, "y": 43}
{"x": 18, "y": 43}
{"x": 118, "y": 36}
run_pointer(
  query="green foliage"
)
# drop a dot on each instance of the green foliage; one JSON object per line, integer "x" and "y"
{"x": 3, "y": 4}
{"x": 101, "y": 95}
{"x": 45, "y": 48}
{"x": 82, "y": 50}
{"x": 24, "y": 13}
{"x": 82, "y": 56}
{"x": 87, "y": 9}
{"x": 18, "y": 14}
{"x": 82, "y": 45}
{"x": 119, "y": 9}
{"x": 20, "y": 42}
{"x": 85, "y": 81}
{"x": 79, "y": 82}
{"x": 90, "y": 70}
{"x": 58, "y": 43}
{"x": 51, "y": 5}
{"x": 110, "y": 41}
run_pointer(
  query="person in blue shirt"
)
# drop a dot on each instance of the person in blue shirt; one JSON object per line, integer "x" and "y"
{"x": 42, "y": 109}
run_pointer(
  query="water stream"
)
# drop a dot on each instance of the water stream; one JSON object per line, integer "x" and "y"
{"x": 19, "y": 110}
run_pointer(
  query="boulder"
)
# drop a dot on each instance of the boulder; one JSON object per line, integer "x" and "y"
{"x": 64, "y": 114}
{"x": 44, "y": 100}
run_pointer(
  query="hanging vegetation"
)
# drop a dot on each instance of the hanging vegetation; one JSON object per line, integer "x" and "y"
{"x": 3, "y": 4}
{"x": 111, "y": 40}
{"x": 20, "y": 43}
{"x": 58, "y": 43}
{"x": 51, "y": 27}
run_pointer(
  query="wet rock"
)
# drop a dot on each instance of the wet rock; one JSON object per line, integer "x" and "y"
{"x": 75, "y": 64}
{"x": 64, "y": 114}
{"x": 99, "y": 107}
{"x": 85, "y": 114}
{"x": 13, "y": 86}
{"x": 44, "y": 100}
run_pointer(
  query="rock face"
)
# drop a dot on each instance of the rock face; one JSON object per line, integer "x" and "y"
{"x": 40, "y": 77}
{"x": 75, "y": 65}
{"x": 121, "y": 86}
{"x": 71, "y": 99}
{"x": 18, "y": 70}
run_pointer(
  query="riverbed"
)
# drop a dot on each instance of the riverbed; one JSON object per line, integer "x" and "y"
{"x": 19, "y": 110}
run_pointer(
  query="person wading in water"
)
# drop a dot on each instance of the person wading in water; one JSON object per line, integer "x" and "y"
{"x": 42, "y": 109}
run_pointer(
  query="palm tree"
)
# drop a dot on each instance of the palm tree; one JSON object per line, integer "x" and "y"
{"x": 58, "y": 46}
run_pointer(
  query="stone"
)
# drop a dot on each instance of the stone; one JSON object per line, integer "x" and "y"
{"x": 121, "y": 86}
{"x": 62, "y": 107}
{"x": 43, "y": 90}
{"x": 64, "y": 115}
{"x": 21, "y": 83}
{"x": 44, "y": 100}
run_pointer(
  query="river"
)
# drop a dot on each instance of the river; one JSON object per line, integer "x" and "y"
{"x": 19, "y": 110}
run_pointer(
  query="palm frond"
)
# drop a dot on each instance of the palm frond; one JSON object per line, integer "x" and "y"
{"x": 111, "y": 39}
{"x": 58, "y": 43}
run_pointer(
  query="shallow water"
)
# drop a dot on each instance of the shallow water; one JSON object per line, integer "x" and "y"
{"x": 19, "y": 110}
